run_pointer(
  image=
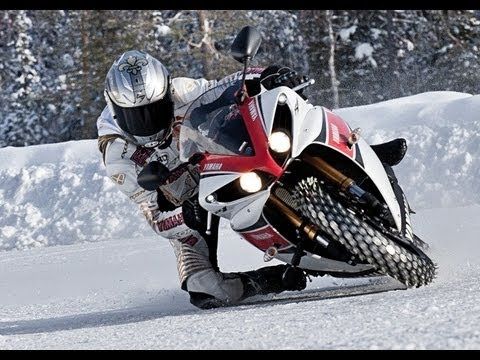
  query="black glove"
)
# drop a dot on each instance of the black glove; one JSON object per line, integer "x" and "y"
{"x": 274, "y": 76}
{"x": 194, "y": 216}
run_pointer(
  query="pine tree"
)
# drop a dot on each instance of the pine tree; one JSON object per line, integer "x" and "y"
{"x": 56, "y": 61}
{"x": 22, "y": 123}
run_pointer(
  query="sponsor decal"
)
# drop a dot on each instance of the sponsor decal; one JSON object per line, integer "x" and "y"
{"x": 338, "y": 133}
{"x": 212, "y": 167}
{"x": 137, "y": 194}
{"x": 118, "y": 178}
{"x": 189, "y": 240}
{"x": 183, "y": 233}
{"x": 255, "y": 70}
{"x": 124, "y": 151}
{"x": 151, "y": 144}
{"x": 335, "y": 133}
{"x": 266, "y": 237}
{"x": 252, "y": 108}
{"x": 263, "y": 236}
{"x": 141, "y": 155}
{"x": 176, "y": 173}
{"x": 163, "y": 158}
{"x": 170, "y": 222}
{"x": 133, "y": 65}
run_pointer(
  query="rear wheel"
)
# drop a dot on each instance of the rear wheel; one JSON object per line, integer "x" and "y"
{"x": 406, "y": 264}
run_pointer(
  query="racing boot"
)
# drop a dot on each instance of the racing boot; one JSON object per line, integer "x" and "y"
{"x": 392, "y": 152}
{"x": 213, "y": 289}
{"x": 272, "y": 279}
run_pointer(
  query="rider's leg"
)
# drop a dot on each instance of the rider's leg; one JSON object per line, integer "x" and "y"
{"x": 208, "y": 287}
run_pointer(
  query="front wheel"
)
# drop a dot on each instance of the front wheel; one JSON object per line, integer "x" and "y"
{"x": 409, "y": 266}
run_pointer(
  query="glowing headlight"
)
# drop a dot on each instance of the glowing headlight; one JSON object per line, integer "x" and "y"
{"x": 279, "y": 142}
{"x": 282, "y": 99}
{"x": 250, "y": 182}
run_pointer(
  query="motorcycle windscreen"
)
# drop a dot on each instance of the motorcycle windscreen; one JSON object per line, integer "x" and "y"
{"x": 214, "y": 127}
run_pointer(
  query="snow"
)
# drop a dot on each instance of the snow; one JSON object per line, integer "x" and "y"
{"x": 410, "y": 45}
{"x": 376, "y": 33}
{"x": 52, "y": 108}
{"x": 163, "y": 30}
{"x": 68, "y": 60}
{"x": 365, "y": 50}
{"x": 65, "y": 197}
{"x": 80, "y": 269}
{"x": 443, "y": 134}
{"x": 346, "y": 33}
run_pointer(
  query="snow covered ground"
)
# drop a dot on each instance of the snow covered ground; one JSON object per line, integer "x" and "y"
{"x": 80, "y": 269}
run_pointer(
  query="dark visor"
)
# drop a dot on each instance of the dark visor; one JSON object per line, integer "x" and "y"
{"x": 145, "y": 120}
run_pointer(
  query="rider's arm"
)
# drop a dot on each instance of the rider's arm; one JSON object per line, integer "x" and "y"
{"x": 164, "y": 218}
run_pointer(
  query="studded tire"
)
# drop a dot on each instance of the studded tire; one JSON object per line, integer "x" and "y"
{"x": 412, "y": 268}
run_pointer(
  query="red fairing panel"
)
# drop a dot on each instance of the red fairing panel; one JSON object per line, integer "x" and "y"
{"x": 338, "y": 133}
{"x": 265, "y": 237}
{"x": 262, "y": 160}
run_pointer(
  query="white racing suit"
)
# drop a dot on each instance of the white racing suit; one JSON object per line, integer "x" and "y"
{"x": 124, "y": 160}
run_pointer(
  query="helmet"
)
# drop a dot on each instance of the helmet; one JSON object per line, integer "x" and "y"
{"x": 137, "y": 91}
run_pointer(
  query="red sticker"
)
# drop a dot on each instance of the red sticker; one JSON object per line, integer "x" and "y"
{"x": 141, "y": 155}
{"x": 338, "y": 133}
{"x": 266, "y": 237}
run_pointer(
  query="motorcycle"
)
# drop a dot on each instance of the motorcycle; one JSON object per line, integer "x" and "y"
{"x": 295, "y": 181}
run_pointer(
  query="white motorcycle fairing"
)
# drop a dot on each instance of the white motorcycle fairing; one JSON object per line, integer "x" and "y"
{"x": 310, "y": 126}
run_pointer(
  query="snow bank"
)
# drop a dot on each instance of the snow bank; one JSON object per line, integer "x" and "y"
{"x": 442, "y": 164}
{"x": 59, "y": 194}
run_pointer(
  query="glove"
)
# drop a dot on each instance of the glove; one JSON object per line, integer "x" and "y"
{"x": 275, "y": 76}
{"x": 194, "y": 216}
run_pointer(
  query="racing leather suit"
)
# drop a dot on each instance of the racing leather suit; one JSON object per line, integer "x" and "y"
{"x": 124, "y": 160}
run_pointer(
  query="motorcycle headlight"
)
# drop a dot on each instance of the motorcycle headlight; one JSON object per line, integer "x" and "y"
{"x": 250, "y": 182}
{"x": 279, "y": 142}
{"x": 282, "y": 99}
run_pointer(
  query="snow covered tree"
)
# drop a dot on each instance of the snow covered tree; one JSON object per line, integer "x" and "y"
{"x": 52, "y": 83}
{"x": 22, "y": 123}
{"x": 385, "y": 54}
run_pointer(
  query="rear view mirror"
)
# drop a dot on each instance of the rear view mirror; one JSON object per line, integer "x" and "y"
{"x": 246, "y": 44}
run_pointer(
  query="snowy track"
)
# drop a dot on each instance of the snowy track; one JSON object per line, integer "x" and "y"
{"x": 118, "y": 294}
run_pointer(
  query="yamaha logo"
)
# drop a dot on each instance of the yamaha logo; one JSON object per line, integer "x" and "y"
{"x": 253, "y": 110}
{"x": 335, "y": 133}
{"x": 212, "y": 166}
{"x": 263, "y": 236}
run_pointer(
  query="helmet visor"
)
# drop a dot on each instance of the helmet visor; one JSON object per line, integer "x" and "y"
{"x": 146, "y": 120}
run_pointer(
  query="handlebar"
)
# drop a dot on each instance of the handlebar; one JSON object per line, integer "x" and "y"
{"x": 304, "y": 85}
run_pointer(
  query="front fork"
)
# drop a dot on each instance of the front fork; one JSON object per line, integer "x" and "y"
{"x": 348, "y": 186}
{"x": 305, "y": 230}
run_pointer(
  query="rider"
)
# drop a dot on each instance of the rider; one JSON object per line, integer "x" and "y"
{"x": 138, "y": 126}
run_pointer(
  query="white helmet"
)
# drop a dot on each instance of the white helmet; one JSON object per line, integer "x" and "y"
{"x": 137, "y": 91}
